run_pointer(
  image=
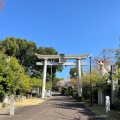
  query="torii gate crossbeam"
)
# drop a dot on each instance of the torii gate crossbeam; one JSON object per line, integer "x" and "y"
{"x": 64, "y": 64}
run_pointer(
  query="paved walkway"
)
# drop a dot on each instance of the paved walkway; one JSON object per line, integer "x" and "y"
{"x": 57, "y": 108}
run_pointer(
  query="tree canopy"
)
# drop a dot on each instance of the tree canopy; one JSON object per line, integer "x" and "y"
{"x": 73, "y": 72}
{"x": 22, "y": 66}
{"x": 24, "y": 51}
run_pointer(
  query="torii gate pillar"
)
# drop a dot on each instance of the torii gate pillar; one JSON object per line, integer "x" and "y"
{"x": 79, "y": 78}
{"x": 44, "y": 78}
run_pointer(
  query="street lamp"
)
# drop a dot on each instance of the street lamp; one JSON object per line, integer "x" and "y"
{"x": 90, "y": 83}
{"x": 51, "y": 78}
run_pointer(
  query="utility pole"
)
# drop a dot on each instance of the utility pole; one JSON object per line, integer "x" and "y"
{"x": 90, "y": 57}
{"x": 90, "y": 83}
{"x": 51, "y": 79}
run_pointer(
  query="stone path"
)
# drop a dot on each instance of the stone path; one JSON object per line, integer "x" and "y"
{"x": 57, "y": 108}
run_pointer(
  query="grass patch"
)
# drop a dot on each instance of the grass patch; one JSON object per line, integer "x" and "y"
{"x": 27, "y": 102}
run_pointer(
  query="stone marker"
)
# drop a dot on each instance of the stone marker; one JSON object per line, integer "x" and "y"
{"x": 12, "y": 104}
{"x": 107, "y": 107}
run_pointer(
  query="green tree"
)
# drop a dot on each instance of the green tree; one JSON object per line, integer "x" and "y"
{"x": 24, "y": 51}
{"x": 118, "y": 76}
{"x": 35, "y": 83}
{"x": 48, "y": 51}
{"x": 74, "y": 71}
{"x": 48, "y": 85}
{"x": 10, "y": 73}
{"x": 55, "y": 82}
{"x": 21, "y": 49}
{"x": 9, "y": 46}
{"x": 13, "y": 77}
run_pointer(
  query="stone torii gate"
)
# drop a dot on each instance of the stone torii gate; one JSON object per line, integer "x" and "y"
{"x": 62, "y": 58}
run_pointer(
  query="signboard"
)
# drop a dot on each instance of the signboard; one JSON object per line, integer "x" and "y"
{"x": 61, "y": 58}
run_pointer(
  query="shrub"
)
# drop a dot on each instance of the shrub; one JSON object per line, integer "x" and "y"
{"x": 64, "y": 91}
{"x": 80, "y": 99}
{"x": 74, "y": 94}
{"x": 3, "y": 105}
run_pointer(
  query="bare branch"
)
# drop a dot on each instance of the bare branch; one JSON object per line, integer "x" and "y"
{"x": 2, "y": 4}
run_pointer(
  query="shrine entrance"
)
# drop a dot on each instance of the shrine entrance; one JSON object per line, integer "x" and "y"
{"x": 62, "y": 62}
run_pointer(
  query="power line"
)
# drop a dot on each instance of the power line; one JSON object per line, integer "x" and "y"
{"x": 28, "y": 18}
{"x": 21, "y": 27}
{"x": 18, "y": 25}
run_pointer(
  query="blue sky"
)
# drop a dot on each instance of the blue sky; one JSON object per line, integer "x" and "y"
{"x": 69, "y": 26}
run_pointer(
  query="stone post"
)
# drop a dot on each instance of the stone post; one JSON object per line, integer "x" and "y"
{"x": 107, "y": 107}
{"x": 12, "y": 104}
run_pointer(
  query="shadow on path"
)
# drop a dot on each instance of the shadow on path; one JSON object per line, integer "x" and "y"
{"x": 64, "y": 102}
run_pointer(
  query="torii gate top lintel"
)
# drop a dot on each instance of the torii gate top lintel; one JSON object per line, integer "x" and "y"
{"x": 83, "y": 56}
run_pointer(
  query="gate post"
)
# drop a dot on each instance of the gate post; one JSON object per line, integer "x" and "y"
{"x": 107, "y": 107}
{"x": 44, "y": 78}
{"x": 79, "y": 78}
{"x": 12, "y": 104}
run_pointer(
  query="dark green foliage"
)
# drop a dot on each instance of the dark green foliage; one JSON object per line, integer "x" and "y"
{"x": 70, "y": 89}
{"x": 21, "y": 49}
{"x": 55, "y": 84}
{"x": 86, "y": 92}
{"x": 80, "y": 99}
{"x": 74, "y": 94}
{"x": 74, "y": 71}
{"x": 49, "y": 51}
{"x": 25, "y": 51}
{"x": 1, "y": 97}
{"x": 64, "y": 91}
{"x": 9, "y": 46}
{"x": 36, "y": 95}
{"x": 23, "y": 74}
{"x": 3, "y": 105}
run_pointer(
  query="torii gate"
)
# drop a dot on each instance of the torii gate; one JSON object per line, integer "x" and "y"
{"x": 62, "y": 58}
